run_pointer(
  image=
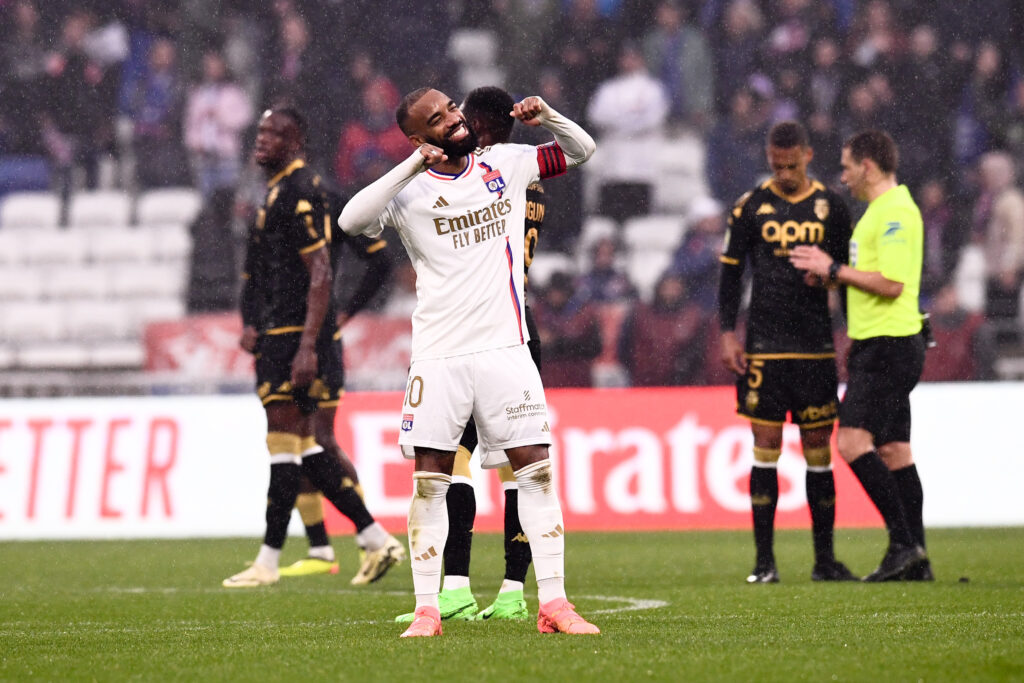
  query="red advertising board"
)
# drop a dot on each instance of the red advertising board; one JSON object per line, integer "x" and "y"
{"x": 665, "y": 458}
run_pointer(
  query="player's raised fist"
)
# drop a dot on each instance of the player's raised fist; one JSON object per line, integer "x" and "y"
{"x": 527, "y": 110}
{"x": 432, "y": 156}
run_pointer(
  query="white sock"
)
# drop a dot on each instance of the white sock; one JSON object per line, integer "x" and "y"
{"x": 372, "y": 537}
{"x": 322, "y": 552}
{"x": 268, "y": 557}
{"x": 509, "y": 586}
{"x": 540, "y": 514}
{"x": 428, "y": 531}
{"x": 455, "y": 582}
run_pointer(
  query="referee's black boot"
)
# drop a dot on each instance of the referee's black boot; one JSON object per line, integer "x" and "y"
{"x": 764, "y": 574}
{"x": 898, "y": 559}
{"x": 920, "y": 571}
{"x": 832, "y": 570}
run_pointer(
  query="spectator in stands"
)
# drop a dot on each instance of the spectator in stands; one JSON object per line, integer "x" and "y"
{"x": 1011, "y": 129}
{"x": 77, "y": 120}
{"x": 965, "y": 342}
{"x": 584, "y": 45}
{"x": 875, "y": 41}
{"x": 999, "y": 222}
{"x": 303, "y": 76}
{"x": 22, "y": 70}
{"x": 942, "y": 238}
{"x": 677, "y": 54}
{"x": 629, "y": 112}
{"x": 216, "y": 114}
{"x": 372, "y": 144}
{"x": 696, "y": 259}
{"x": 570, "y": 333}
{"x": 737, "y": 50}
{"x": 662, "y": 343}
{"x": 861, "y": 112}
{"x": 155, "y": 106}
{"x": 982, "y": 103}
{"x": 524, "y": 23}
{"x": 735, "y": 151}
{"x": 605, "y": 282}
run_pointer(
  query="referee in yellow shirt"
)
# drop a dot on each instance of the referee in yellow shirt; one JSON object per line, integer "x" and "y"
{"x": 887, "y": 355}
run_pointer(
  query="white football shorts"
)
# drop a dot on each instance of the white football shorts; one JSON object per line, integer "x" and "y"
{"x": 501, "y": 388}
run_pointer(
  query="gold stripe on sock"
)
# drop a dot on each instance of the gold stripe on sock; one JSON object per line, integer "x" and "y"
{"x": 767, "y": 456}
{"x": 280, "y": 443}
{"x": 310, "y": 507}
{"x": 818, "y": 457}
{"x": 506, "y": 475}
{"x": 461, "y": 466}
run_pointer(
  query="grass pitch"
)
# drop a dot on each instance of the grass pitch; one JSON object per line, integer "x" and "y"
{"x": 672, "y": 606}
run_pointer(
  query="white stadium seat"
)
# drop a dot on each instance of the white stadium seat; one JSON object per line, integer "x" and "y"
{"x": 172, "y": 242}
{"x": 55, "y": 355}
{"x": 19, "y": 283}
{"x": 39, "y": 210}
{"x": 471, "y": 46}
{"x": 75, "y": 282}
{"x": 645, "y": 267}
{"x": 99, "y": 208}
{"x": 32, "y": 321}
{"x": 545, "y": 263}
{"x": 654, "y": 232}
{"x": 596, "y": 227}
{"x": 120, "y": 244}
{"x": 117, "y": 354}
{"x": 52, "y": 247}
{"x": 95, "y": 320}
{"x": 149, "y": 280}
{"x": 172, "y": 205}
{"x": 157, "y": 310}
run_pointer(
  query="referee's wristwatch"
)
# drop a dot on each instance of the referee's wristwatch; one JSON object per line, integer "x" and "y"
{"x": 833, "y": 271}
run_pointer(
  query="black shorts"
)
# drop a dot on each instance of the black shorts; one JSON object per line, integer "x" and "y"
{"x": 805, "y": 388}
{"x": 883, "y": 371}
{"x": 274, "y": 355}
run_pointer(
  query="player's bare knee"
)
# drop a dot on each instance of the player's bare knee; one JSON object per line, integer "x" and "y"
{"x": 522, "y": 456}
{"x": 853, "y": 443}
{"x": 896, "y": 455}
{"x": 767, "y": 436}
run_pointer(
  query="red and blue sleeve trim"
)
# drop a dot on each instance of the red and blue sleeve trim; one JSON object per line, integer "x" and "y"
{"x": 551, "y": 160}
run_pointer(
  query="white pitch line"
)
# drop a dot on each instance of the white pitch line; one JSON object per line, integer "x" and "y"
{"x": 632, "y": 604}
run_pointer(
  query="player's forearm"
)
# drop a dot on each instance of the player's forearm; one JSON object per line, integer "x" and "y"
{"x": 872, "y": 282}
{"x": 318, "y": 297}
{"x": 363, "y": 210}
{"x": 730, "y": 286}
{"x": 576, "y": 143}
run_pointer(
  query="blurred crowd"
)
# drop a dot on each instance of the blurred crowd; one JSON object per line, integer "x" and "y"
{"x": 151, "y": 93}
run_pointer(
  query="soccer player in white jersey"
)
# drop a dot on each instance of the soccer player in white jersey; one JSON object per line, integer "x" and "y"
{"x": 460, "y": 216}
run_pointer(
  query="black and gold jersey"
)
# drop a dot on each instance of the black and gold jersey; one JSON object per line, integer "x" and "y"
{"x": 535, "y": 205}
{"x": 293, "y": 221}
{"x": 787, "y": 318}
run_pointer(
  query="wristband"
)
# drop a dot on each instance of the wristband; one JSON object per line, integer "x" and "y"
{"x": 833, "y": 271}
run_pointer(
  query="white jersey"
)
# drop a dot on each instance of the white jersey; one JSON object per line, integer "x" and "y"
{"x": 464, "y": 234}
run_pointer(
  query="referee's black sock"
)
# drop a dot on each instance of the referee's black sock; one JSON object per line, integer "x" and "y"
{"x": 461, "y": 501}
{"x": 324, "y": 470}
{"x": 517, "y": 546}
{"x": 821, "y": 499}
{"x": 281, "y": 495}
{"x": 880, "y": 486}
{"x": 764, "y": 497}
{"x": 908, "y": 483}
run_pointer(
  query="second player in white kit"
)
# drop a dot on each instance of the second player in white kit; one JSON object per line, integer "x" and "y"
{"x": 460, "y": 216}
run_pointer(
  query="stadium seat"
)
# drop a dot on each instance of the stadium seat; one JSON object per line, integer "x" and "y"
{"x": 96, "y": 320}
{"x": 546, "y": 263}
{"x": 154, "y": 310}
{"x": 120, "y": 244}
{"x": 36, "y": 210}
{"x": 51, "y": 247}
{"x": 8, "y": 356}
{"x": 653, "y": 233}
{"x": 148, "y": 280}
{"x": 61, "y": 355}
{"x": 470, "y": 46}
{"x": 596, "y": 227}
{"x": 18, "y": 283}
{"x": 75, "y": 282}
{"x": 32, "y": 322}
{"x": 645, "y": 267}
{"x": 99, "y": 208}
{"x": 172, "y": 205}
{"x": 117, "y": 354}
{"x": 172, "y": 242}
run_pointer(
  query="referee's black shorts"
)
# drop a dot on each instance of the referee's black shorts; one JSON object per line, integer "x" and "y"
{"x": 882, "y": 372}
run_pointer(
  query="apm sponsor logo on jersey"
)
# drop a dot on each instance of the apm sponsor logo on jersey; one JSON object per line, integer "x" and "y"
{"x": 407, "y": 422}
{"x": 475, "y": 226}
{"x": 791, "y": 233}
